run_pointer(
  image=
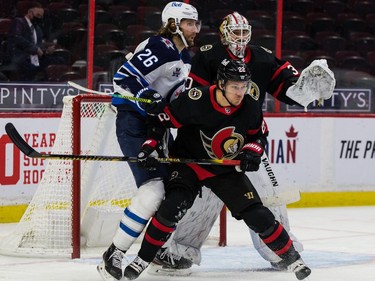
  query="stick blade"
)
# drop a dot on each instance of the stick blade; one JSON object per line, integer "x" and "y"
{"x": 19, "y": 141}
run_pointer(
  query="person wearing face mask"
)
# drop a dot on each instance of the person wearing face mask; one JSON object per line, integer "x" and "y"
{"x": 26, "y": 47}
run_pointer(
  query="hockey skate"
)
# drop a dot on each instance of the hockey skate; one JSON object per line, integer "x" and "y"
{"x": 110, "y": 269}
{"x": 280, "y": 266}
{"x": 166, "y": 263}
{"x": 300, "y": 269}
{"x": 135, "y": 268}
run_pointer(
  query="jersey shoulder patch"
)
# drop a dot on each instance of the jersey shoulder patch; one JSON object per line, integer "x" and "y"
{"x": 205, "y": 47}
{"x": 195, "y": 94}
{"x": 254, "y": 91}
{"x": 162, "y": 46}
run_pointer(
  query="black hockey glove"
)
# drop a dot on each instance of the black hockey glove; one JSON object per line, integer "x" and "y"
{"x": 148, "y": 153}
{"x": 156, "y": 106}
{"x": 153, "y": 146}
{"x": 250, "y": 157}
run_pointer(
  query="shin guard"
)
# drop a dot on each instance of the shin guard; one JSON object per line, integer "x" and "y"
{"x": 278, "y": 240}
{"x": 155, "y": 237}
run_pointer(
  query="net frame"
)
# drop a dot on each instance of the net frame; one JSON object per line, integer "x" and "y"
{"x": 29, "y": 239}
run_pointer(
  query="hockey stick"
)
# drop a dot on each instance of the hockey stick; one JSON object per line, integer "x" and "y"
{"x": 31, "y": 152}
{"x": 270, "y": 191}
{"x": 127, "y": 95}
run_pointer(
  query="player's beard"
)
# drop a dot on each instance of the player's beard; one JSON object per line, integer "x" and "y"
{"x": 190, "y": 41}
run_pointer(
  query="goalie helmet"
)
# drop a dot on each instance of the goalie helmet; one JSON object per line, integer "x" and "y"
{"x": 234, "y": 70}
{"x": 235, "y": 32}
{"x": 179, "y": 11}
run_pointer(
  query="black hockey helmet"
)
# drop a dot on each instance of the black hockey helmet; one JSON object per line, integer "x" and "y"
{"x": 234, "y": 70}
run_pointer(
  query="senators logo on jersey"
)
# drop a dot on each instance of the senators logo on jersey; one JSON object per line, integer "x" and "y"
{"x": 225, "y": 144}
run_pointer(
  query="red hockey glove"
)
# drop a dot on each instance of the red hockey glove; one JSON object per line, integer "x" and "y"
{"x": 250, "y": 157}
{"x": 156, "y": 106}
{"x": 148, "y": 153}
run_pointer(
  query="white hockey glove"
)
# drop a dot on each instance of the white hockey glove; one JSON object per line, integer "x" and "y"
{"x": 316, "y": 82}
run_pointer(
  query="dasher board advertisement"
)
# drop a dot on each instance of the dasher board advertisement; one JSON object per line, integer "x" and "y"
{"x": 314, "y": 154}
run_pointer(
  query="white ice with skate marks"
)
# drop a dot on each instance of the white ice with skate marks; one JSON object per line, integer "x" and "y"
{"x": 339, "y": 246}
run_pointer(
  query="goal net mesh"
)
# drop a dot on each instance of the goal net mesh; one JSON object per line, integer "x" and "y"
{"x": 106, "y": 188}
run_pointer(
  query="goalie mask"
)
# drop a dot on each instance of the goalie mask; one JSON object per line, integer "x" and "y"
{"x": 179, "y": 11}
{"x": 235, "y": 32}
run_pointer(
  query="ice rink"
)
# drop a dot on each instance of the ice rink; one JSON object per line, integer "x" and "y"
{"x": 339, "y": 246}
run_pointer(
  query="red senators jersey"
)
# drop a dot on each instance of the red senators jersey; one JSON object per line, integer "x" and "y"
{"x": 207, "y": 130}
{"x": 268, "y": 74}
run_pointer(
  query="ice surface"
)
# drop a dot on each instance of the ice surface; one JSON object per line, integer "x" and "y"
{"x": 339, "y": 246}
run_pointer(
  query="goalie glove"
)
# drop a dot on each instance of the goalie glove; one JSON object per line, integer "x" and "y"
{"x": 157, "y": 104}
{"x": 250, "y": 157}
{"x": 316, "y": 82}
{"x": 147, "y": 156}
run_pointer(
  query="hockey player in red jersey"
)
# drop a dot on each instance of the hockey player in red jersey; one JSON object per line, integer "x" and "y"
{"x": 269, "y": 75}
{"x": 221, "y": 121}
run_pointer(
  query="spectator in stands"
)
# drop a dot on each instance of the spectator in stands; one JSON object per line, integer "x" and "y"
{"x": 26, "y": 47}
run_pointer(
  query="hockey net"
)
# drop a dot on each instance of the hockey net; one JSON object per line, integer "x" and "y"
{"x": 78, "y": 204}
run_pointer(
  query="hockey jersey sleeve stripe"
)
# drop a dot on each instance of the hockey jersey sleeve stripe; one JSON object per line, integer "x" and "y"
{"x": 278, "y": 71}
{"x": 199, "y": 80}
{"x": 173, "y": 121}
{"x": 131, "y": 71}
{"x": 277, "y": 92}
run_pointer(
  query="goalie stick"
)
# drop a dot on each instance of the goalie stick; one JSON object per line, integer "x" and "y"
{"x": 118, "y": 95}
{"x": 31, "y": 152}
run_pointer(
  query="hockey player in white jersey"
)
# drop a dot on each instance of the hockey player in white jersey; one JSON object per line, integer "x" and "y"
{"x": 270, "y": 75}
{"x": 162, "y": 64}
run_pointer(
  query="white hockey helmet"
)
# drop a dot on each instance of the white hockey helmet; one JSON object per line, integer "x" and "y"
{"x": 235, "y": 32}
{"x": 179, "y": 11}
